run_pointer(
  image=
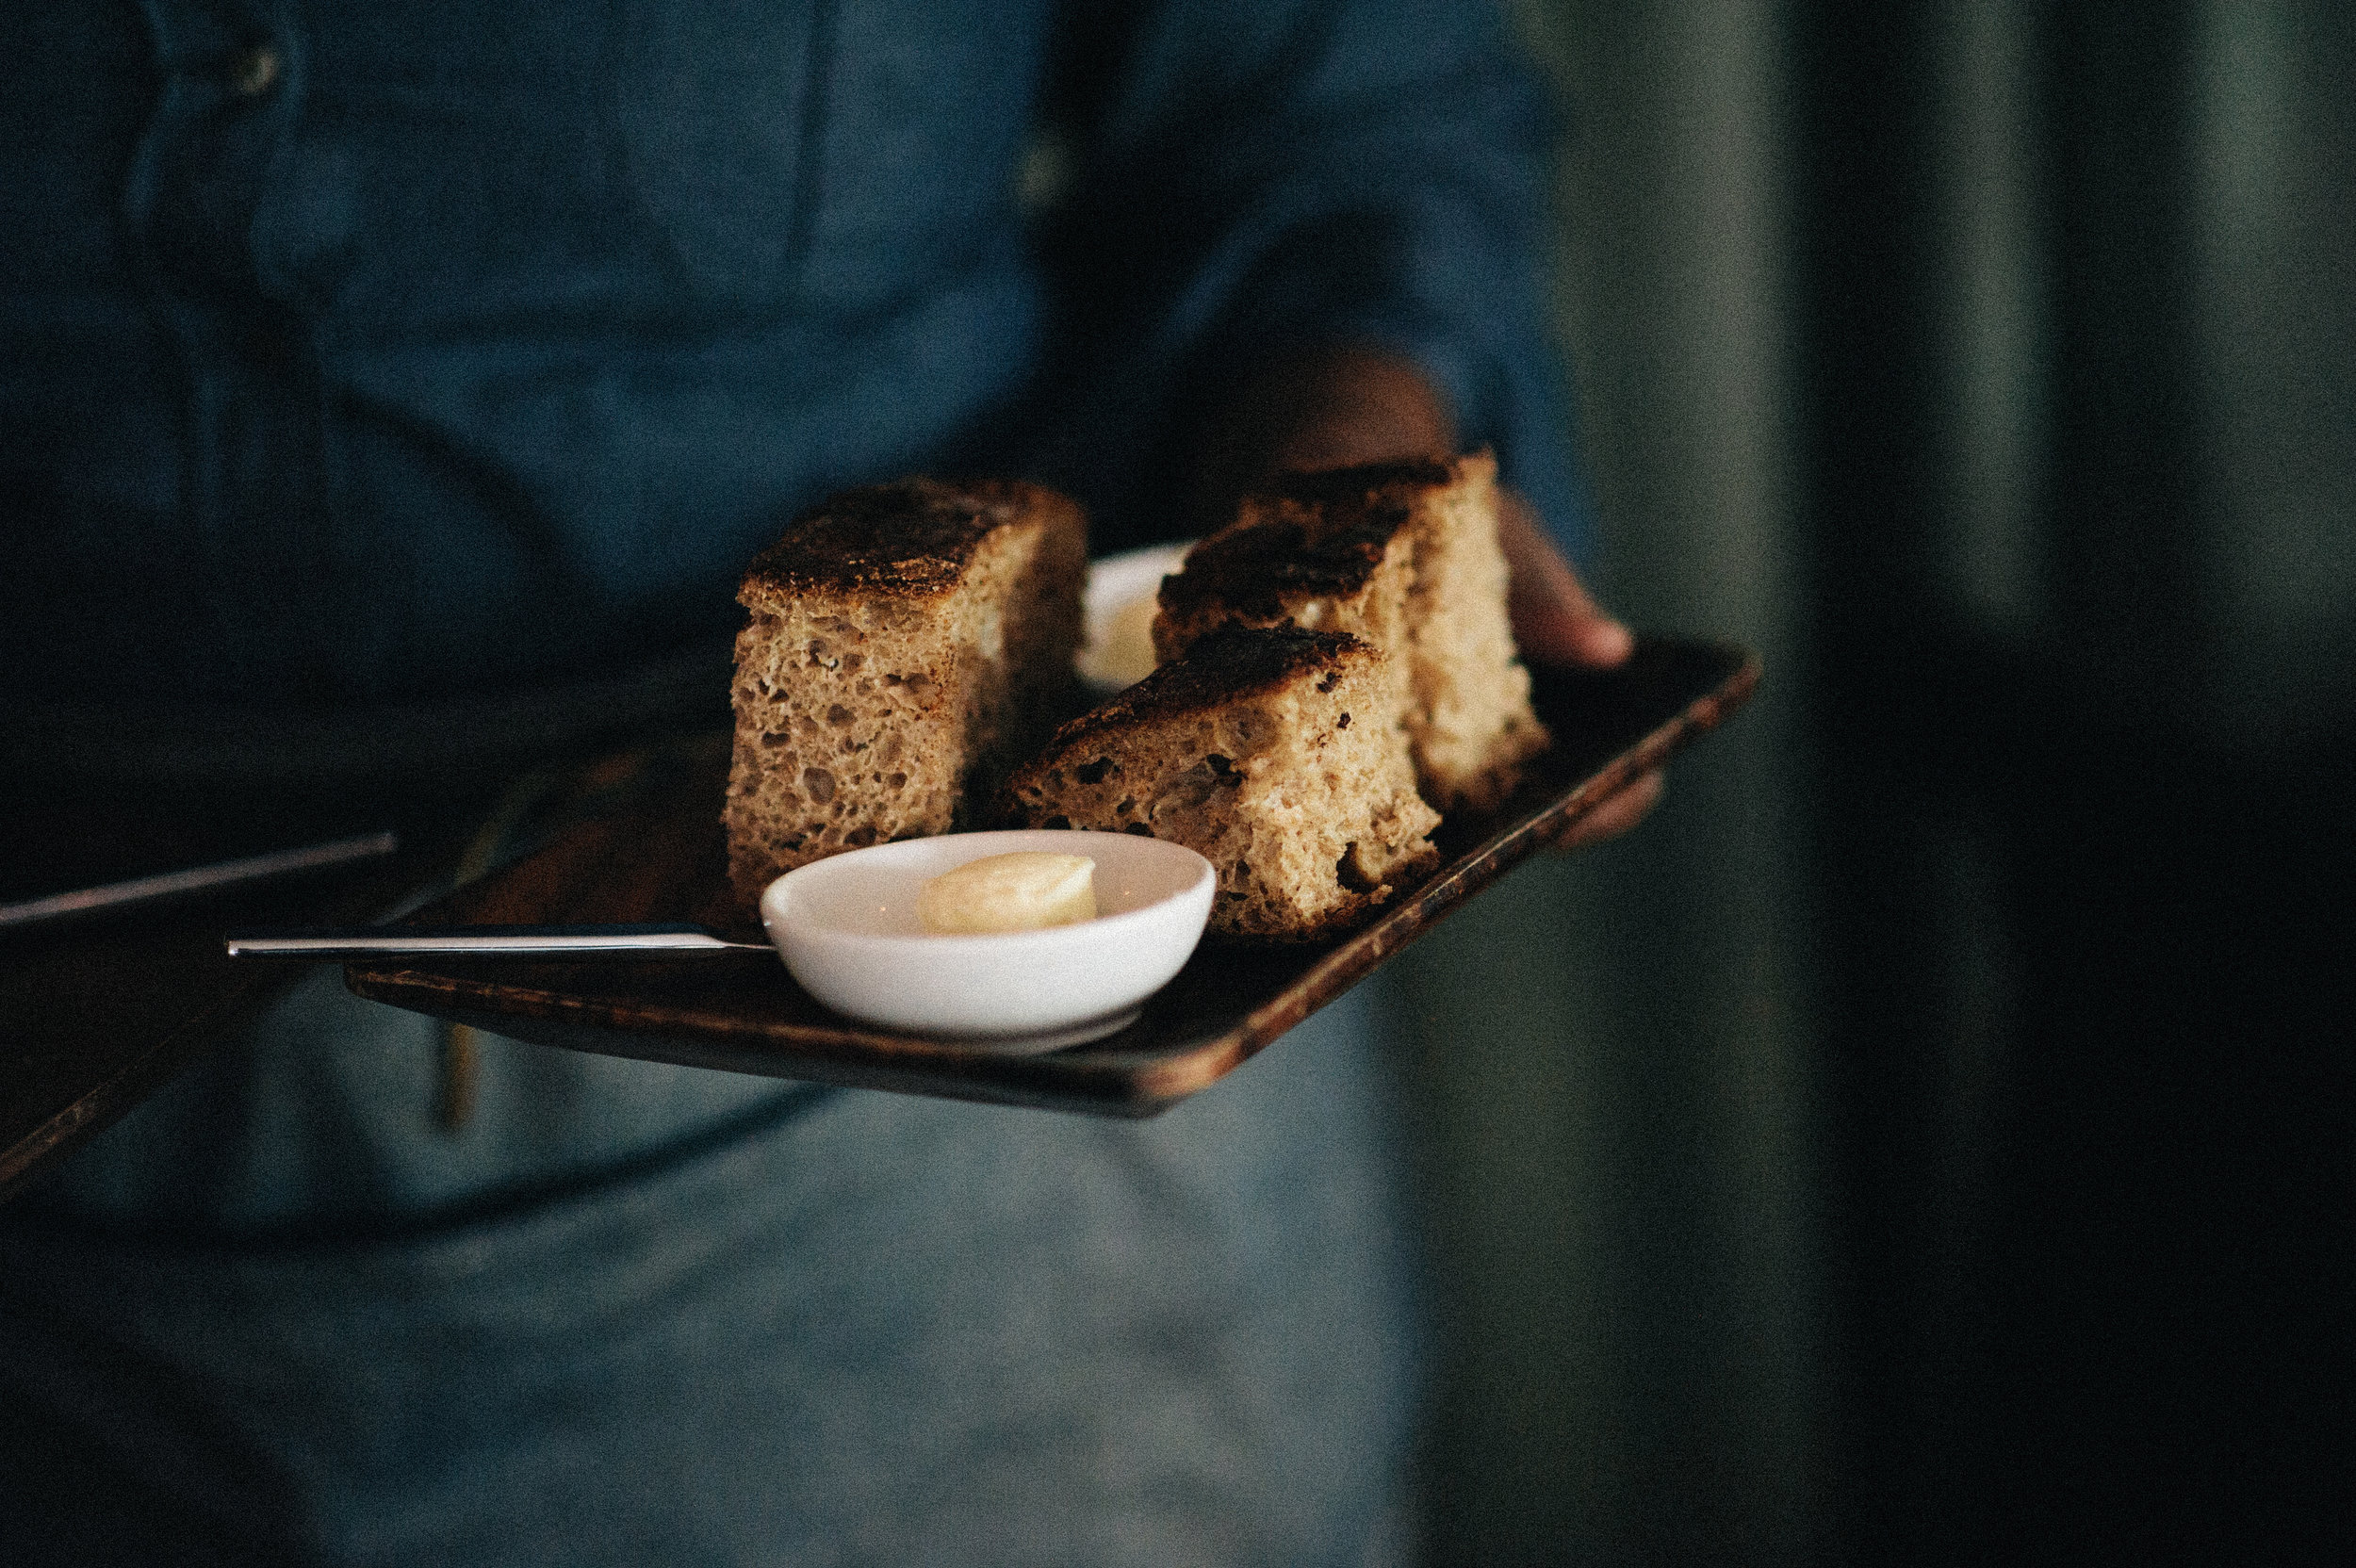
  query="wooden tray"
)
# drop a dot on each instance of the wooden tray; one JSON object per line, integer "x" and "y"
{"x": 662, "y": 859}
{"x": 96, "y": 1016}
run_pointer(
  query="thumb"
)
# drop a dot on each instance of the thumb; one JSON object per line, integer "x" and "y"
{"x": 1556, "y": 621}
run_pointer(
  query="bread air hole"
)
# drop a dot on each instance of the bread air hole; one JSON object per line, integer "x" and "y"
{"x": 1188, "y": 791}
{"x": 819, "y": 784}
{"x": 1093, "y": 773}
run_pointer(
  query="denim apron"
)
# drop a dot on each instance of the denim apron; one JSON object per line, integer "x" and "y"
{"x": 828, "y": 1326}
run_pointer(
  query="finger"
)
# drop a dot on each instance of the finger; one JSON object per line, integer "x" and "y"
{"x": 1626, "y": 808}
{"x": 1556, "y": 621}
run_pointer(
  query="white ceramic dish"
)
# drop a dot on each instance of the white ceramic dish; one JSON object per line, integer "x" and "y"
{"x": 847, "y": 928}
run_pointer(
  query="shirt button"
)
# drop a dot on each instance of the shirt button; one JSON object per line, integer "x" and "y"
{"x": 254, "y": 71}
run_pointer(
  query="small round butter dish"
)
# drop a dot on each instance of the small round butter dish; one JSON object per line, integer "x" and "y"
{"x": 847, "y": 928}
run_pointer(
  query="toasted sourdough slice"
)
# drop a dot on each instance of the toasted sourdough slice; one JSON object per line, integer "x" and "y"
{"x": 908, "y": 641}
{"x": 1270, "y": 753}
{"x": 1404, "y": 555}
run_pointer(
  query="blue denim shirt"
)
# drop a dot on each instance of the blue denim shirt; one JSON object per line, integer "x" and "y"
{"x": 365, "y": 349}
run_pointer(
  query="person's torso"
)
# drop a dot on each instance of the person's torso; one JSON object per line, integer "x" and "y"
{"x": 360, "y": 350}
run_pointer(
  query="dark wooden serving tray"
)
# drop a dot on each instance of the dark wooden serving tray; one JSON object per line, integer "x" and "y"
{"x": 663, "y": 858}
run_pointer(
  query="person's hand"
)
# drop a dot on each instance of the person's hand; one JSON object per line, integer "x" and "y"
{"x": 1556, "y": 621}
{"x": 1347, "y": 406}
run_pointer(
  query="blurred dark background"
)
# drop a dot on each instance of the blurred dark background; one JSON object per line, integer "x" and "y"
{"x": 1924, "y": 1140}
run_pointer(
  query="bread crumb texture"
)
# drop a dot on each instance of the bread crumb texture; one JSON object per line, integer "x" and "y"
{"x": 1405, "y": 556}
{"x": 906, "y": 643}
{"x": 1272, "y": 753}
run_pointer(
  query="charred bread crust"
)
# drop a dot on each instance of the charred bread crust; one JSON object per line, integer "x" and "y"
{"x": 1231, "y": 665}
{"x": 911, "y": 538}
{"x": 1320, "y": 535}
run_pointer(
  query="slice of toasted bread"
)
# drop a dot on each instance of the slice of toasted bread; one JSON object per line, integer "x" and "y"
{"x": 1404, "y": 555}
{"x": 906, "y": 643}
{"x": 1272, "y": 753}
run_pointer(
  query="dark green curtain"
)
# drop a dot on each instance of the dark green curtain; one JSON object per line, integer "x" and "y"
{"x": 1916, "y": 1144}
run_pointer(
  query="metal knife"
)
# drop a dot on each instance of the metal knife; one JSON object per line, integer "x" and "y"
{"x": 484, "y": 941}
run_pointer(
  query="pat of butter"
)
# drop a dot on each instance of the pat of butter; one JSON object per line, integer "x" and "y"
{"x": 1024, "y": 892}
